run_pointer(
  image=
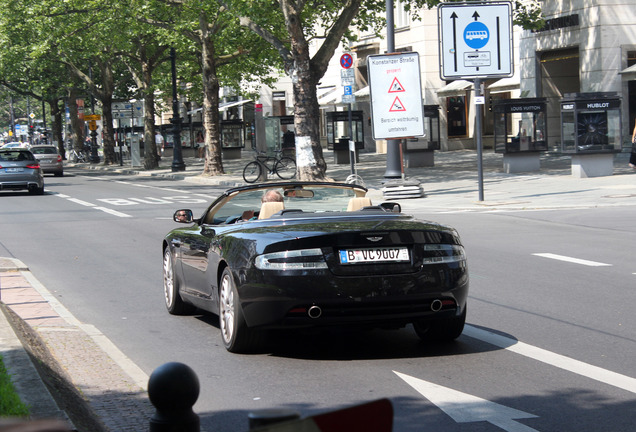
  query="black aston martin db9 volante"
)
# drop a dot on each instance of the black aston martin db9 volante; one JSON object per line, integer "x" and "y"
{"x": 313, "y": 254}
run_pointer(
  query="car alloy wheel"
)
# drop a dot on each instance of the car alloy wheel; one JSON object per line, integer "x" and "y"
{"x": 227, "y": 308}
{"x": 237, "y": 337}
{"x": 174, "y": 303}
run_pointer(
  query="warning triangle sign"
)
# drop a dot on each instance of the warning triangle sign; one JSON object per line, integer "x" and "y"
{"x": 396, "y": 86}
{"x": 397, "y": 105}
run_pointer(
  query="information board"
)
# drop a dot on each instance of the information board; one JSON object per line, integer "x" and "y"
{"x": 396, "y": 95}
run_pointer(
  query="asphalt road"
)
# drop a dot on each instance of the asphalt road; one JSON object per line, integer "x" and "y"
{"x": 559, "y": 282}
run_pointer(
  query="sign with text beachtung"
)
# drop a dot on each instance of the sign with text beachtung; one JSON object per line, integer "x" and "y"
{"x": 396, "y": 95}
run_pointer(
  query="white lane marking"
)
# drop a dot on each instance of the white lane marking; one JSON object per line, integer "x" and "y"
{"x": 566, "y": 363}
{"x": 79, "y": 201}
{"x": 465, "y": 408}
{"x": 113, "y": 212}
{"x": 572, "y": 260}
{"x": 94, "y": 206}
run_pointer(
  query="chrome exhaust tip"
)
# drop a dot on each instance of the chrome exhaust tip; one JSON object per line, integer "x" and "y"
{"x": 436, "y": 305}
{"x": 314, "y": 312}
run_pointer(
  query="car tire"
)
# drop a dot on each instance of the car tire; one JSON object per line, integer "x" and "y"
{"x": 252, "y": 172}
{"x": 36, "y": 190}
{"x": 237, "y": 336}
{"x": 444, "y": 330}
{"x": 173, "y": 300}
{"x": 59, "y": 174}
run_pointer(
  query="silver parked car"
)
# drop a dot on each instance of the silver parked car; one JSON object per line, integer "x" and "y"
{"x": 19, "y": 169}
{"x": 49, "y": 158}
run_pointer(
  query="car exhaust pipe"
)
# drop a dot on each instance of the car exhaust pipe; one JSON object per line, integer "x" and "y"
{"x": 436, "y": 305}
{"x": 315, "y": 312}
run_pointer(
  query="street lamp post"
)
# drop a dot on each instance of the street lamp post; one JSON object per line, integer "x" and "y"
{"x": 177, "y": 158}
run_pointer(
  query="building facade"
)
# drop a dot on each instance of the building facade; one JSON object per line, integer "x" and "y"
{"x": 584, "y": 47}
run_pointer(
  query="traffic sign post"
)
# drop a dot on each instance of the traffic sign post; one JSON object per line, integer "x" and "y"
{"x": 475, "y": 40}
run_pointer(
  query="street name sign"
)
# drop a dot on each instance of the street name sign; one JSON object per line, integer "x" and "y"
{"x": 395, "y": 90}
{"x": 475, "y": 40}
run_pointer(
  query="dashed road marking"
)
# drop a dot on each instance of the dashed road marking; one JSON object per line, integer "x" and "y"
{"x": 572, "y": 260}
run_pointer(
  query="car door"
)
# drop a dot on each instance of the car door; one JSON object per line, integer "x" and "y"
{"x": 197, "y": 254}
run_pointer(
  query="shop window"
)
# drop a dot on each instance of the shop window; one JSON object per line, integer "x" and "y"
{"x": 456, "y": 116}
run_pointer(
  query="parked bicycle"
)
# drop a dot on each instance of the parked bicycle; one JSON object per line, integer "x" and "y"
{"x": 75, "y": 156}
{"x": 284, "y": 167}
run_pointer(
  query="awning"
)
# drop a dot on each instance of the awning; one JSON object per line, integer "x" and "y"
{"x": 455, "y": 88}
{"x": 326, "y": 95}
{"x": 629, "y": 73}
{"x": 363, "y": 92}
{"x": 223, "y": 106}
{"x": 505, "y": 85}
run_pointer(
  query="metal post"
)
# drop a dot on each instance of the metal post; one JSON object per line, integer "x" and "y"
{"x": 352, "y": 153}
{"x": 478, "y": 143}
{"x": 177, "y": 158}
{"x": 393, "y": 161}
{"x": 94, "y": 157}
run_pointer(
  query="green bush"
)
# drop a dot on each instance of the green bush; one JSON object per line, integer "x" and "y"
{"x": 10, "y": 403}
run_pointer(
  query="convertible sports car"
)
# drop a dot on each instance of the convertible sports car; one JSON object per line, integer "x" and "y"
{"x": 313, "y": 254}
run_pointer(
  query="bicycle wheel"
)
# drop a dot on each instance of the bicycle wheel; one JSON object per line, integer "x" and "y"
{"x": 285, "y": 168}
{"x": 252, "y": 172}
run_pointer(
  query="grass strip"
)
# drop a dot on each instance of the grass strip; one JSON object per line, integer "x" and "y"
{"x": 10, "y": 403}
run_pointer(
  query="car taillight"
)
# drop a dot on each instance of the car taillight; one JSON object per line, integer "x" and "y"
{"x": 33, "y": 165}
{"x": 292, "y": 260}
{"x": 443, "y": 253}
{"x": 59, "y": 158}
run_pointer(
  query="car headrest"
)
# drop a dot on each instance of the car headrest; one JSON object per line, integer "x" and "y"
{"x": 358, "y": 202}
{"x": 269, "y": 208}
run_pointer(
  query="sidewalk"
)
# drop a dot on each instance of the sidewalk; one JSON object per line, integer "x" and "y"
{"x": 452, "y": 184}
{"x": 115, "y": 387}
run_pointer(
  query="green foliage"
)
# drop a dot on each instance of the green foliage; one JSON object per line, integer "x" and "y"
{"x": 10, "y": 403}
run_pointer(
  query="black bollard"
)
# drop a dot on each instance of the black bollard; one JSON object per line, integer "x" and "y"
{"x": 173, "y": 389}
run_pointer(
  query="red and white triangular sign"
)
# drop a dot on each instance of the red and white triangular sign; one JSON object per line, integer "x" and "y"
{"x": 397, "y": 105}
{"x": 396, "y": 86}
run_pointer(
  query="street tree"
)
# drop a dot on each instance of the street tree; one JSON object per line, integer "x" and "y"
{"x": 226, "y": 55}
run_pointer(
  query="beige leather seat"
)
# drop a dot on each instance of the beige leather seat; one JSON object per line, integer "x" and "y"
{"x": 358, "y": 202}
{"x": 269, "y": 208}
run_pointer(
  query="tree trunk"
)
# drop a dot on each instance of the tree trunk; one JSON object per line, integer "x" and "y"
{"x": 151, "y": 158}
{"x": 106, "y": 98}
{"x": 310, "y": 163}
{"x": 56, "y": 127}
{"x": 108, "y": 138}
{"x": 77, "y": 125}
{"x": 213, "y": 159}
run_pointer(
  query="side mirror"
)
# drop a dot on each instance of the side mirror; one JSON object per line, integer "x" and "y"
{"x": 391, "y": 207}
{"x": 183, "y": 216}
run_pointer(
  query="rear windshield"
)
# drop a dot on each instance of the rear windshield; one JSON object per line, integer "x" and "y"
{"x": 43, "y": 150}
{"x": 15, "y": 155}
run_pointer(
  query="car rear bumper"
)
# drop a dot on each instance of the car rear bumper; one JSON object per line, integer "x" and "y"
{"x": 373, "y": 301}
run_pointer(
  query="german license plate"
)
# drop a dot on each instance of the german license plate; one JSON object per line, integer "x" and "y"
{"x": 389, "y": 254}
{"x": 13, "y": 170}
